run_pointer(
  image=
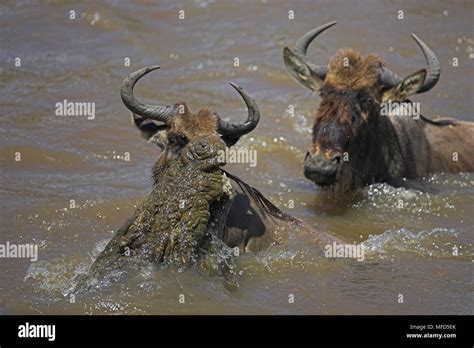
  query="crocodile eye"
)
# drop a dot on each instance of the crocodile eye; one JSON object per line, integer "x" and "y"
{"x": 203, "y": 148}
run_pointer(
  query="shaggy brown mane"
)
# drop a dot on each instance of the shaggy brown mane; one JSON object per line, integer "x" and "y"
{"x": 358, "y": 72}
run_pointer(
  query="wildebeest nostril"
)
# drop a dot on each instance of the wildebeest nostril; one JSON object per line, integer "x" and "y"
{"x": 307, "y": 155}
{"x": 336, "y": 158}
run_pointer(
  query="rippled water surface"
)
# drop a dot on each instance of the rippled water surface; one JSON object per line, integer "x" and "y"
{"x": 409, "y": 245}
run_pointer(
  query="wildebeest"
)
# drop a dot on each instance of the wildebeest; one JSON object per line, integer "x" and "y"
{"x": 196, "y": 208}
{"x": 357, "y": 138}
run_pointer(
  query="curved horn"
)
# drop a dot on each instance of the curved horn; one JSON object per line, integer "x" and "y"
{"x": 388, "y": 78}
{"x": 235, "y": 131}
{"x": 303, "y": 43}
{"x": 160, "y": 113}
{"x": 433, "y": 72}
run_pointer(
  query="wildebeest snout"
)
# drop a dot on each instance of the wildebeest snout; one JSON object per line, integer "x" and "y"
{"x": 321, "y": 167}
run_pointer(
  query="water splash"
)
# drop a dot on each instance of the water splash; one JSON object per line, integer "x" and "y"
{"x": 440, "y": 243}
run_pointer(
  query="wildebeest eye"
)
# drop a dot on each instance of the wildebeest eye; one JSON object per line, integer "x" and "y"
{"x": 369, "y": 101}
{"x": 178, "y": 140}
{"x": 365, "y": 100}
{"x": 353, "y": 118}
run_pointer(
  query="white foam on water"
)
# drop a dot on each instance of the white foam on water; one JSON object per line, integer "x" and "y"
{"x": 436, "y": 243}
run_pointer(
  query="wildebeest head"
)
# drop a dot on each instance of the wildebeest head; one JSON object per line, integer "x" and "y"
{"x": 352, "y": 88}
{"x": 177, "y": 130}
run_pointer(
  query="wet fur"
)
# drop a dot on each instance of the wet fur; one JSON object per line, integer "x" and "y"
{"x": 385, "y": 148}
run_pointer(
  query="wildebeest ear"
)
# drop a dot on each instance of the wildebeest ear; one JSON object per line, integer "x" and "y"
{"x": 406, "y": 87}
{"x": 299, "y": 69}
{"x": 150, "y": 130}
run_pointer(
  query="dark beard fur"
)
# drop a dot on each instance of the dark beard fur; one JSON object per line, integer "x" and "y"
{"x": 265, "y": 206}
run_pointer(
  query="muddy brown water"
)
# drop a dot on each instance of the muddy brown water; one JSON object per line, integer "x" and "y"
{"x": 409, "y": 246}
